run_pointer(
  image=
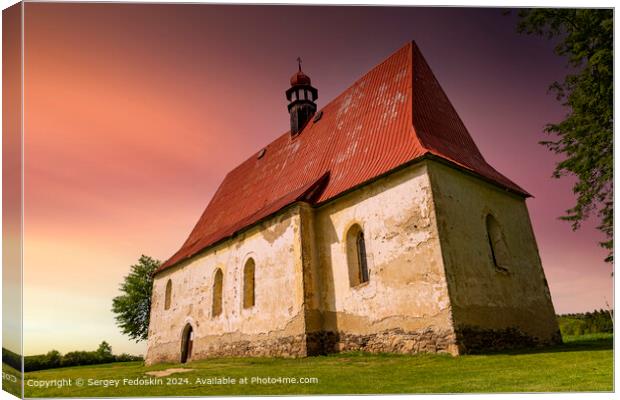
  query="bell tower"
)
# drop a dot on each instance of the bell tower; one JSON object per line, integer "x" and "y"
{"x": 301, "y": 96}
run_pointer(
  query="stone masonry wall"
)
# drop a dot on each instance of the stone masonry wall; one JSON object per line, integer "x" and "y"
{"x": 389, "y": 341}
{"x": 477, "y": 340}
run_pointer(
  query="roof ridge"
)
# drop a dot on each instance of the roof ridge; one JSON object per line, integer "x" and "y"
{"x": 446, "y": 137}
{"x": 393, "y": 114}
{"x": 415, "y": 49}
{"x": 410, "y": 44}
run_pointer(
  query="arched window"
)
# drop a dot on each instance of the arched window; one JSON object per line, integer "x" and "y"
{"x": 168, "y": 295}
{"x": 356, "y": 256}
{"x": 248, "y": 284}
{"x": 497, "y": 244}
{"x": 218, "y": 282}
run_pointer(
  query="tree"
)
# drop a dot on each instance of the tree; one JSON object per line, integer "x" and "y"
{"x": 53, "y": 358}
{"x": 585, "y": 137}
{"x": 104, "y": 352}
{"x": 133, "y": 307}
{"x": 73, "y": 358}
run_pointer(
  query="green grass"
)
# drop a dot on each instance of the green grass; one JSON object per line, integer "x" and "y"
{"x": 581, "y": 364}
{"x": 12, "y": 381}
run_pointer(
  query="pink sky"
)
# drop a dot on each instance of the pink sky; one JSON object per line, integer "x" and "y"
{"x": 134, "y": 114}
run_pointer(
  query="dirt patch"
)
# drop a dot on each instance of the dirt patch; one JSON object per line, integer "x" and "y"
{"x": 166, "y": 372}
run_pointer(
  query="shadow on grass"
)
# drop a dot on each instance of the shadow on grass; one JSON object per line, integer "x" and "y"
{"x": 584, "y": 344}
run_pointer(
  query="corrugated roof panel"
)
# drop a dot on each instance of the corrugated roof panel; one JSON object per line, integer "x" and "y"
{"x": 395, "y": 113}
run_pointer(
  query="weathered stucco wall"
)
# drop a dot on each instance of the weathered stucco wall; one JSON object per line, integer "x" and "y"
{"x": 404, "y": 307}
{"x": 491, "y": 307}
{"x": 433, "y": 285}
{"x": 274, "y": 326}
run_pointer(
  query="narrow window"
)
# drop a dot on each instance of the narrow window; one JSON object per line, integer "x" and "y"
{"x": 217, "y": 293}
{"x": 497, "y": 245}
{"x": 248, "y": 284}
{"x": 168, "y": 295}
{"x": 356, "y": 256}
{"x": 361, "y": 257}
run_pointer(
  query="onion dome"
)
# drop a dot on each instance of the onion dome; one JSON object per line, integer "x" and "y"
{"x": 299, "y": 78}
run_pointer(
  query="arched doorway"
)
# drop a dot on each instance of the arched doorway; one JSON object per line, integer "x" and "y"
{"x": 187, "y": 342}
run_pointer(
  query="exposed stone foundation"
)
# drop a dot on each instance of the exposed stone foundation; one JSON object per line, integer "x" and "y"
{"x": 288, "y": 346}
{"x": 389, "y": 341}
{"x": 475, "y": 340}
{"x": 466, "y": 340}
{"x": 318, "y": 343}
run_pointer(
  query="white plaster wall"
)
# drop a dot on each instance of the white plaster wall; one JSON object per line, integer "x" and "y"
{"x": 407, "y": 287}
{"x": 275, "y": 247}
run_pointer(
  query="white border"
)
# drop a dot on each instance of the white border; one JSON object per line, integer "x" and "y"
{"x": 458, "y": 3}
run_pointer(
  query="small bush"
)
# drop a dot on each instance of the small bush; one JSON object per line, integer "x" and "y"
{"x": 598, "y": 321}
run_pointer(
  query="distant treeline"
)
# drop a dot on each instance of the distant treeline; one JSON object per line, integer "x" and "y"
{"x": 12, "y": 359}
{"x": 54, "y": 359}
{"x": 597, "y": 321}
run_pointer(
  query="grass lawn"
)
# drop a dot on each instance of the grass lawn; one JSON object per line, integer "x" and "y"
{"x": 11, "y": 382}
{"x": 583, "y": 363}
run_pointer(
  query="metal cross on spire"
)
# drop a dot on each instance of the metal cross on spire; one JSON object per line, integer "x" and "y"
{"x": 299, "y": 63}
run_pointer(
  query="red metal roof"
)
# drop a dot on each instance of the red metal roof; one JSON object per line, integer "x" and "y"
{"x": 394, "y": 114}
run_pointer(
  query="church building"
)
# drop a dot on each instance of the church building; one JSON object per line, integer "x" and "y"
{"x": 374, "y": 224}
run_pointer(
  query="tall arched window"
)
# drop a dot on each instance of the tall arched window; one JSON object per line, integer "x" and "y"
{"x": 218, "y": 282}
{"x": 168, "y": 295}
{"x": 248, "y": 284}
{"x": 356, "y": 256}
{"x": 497, "y": 244}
